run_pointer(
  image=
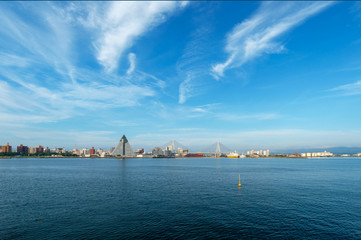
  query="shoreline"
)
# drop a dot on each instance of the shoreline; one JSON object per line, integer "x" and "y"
{"x": 110, "y": 157}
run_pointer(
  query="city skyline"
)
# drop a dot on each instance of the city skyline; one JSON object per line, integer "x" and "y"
{"x": 86, "y": 73}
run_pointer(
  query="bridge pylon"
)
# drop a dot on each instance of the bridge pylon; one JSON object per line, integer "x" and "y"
{"x": 218, "y": 150}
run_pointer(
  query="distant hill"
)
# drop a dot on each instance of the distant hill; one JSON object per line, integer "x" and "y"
{"x": 334, "y": 150}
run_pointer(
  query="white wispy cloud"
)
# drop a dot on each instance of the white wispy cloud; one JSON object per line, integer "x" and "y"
{"x": 49, "y": 41}
{"x": 238, "y": 117}
{"x": 260, "y": 33}
{"x": 191, "y": 66}
{"x": 11, "y": 60}
{"x": 40, "y": 78}
{"x": 122, "y": 123}
{"x": 150, "y": 79}
{"x": 121, "y": 23}
{"x": 185, "y": 89}
{"x": 98, "y": 95}
{"x": 348, "y": 89}
{"x": 131, "y": 58}
{"x": 63, "y": 102}
{"x": 215, "y": 111}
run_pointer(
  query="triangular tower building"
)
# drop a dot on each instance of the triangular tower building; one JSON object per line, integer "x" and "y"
{"x": 123, "y": 148}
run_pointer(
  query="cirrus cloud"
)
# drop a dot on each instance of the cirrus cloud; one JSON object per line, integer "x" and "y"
{"x": 121, "y": 23}
{"x": 258, "y": 35}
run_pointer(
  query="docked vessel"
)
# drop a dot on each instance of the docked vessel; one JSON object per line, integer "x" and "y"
{"x": 194, "y": 155}
{"x": 233, "y": 155}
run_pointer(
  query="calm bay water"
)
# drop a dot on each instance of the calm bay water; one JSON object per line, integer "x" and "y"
{"x": 180, "y": 198}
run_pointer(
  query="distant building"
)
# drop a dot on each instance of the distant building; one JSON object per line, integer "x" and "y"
{"x": 39, "y": 149}
{"x": 75, "y": 151}
{"x": 6, "y": 149}
{"x": 60, "y": 150}
{"x": 22, "y": 149}
{"x": 317, "y": 154}
{"x": 139, "y": 151}
{"x": 157, "y": 151}
{"x": 99, "y": 151}
{"x": 92, "y": 151}
{"x": 47, "y": 150}
{"x": 104, "y": 154}
{"x": 295, "y": 155}
{"x": 258, "y": 153}
{"x": 266, "y": 153}
{"x": 168, "y": 153}
{"x": 32, "y": 150}
{"x": 84, "y": 152}
{"x": 123, "y": 148}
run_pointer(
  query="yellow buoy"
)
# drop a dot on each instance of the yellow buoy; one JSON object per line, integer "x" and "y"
{"x": 239, "y": 184}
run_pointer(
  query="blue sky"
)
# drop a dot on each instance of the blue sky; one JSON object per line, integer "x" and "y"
{"x": 277, "y": 75}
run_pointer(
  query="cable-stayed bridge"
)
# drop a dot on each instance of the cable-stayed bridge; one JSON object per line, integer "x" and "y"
{"x": 175, "y": 145}
{"x": 217, "y": 148}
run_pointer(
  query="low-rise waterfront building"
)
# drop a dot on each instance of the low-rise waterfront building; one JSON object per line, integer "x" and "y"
{"x": 295, "y": 155}
{"x": 32, "y": 150}
{"x": 6, "y": 149}
{"x": 139, "y": 151}
{"x": 39, "y": 149}
{"x": 60, "y": 150}
{"x": 22, "y": 149}
{"x": 99, "y": 151}
{"x": 75, "y": 151}
{"x": 254, "y": 153}
{"x": 92, "y": 151}
{"x": 157, "y": 151}
{"x": 317, "y": 154}
{"x": 104, "y": 154}
{"x": 168, "y": 153}
{"x": 266, "y": 153}
{"x": 84, "y": 152}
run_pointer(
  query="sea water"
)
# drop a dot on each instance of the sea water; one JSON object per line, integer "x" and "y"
{"x": 191, "y": 198}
